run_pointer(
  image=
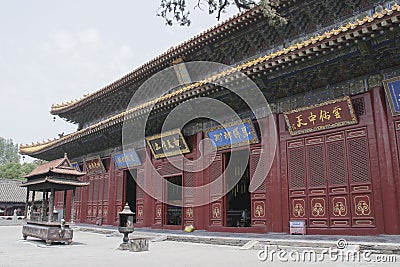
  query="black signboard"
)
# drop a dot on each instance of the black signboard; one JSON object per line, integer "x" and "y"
{"x": 167, "y": 144}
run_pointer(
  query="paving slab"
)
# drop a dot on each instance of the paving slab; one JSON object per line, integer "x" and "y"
{"x": 99, "y": 249}
{"x": 379, "y": 244}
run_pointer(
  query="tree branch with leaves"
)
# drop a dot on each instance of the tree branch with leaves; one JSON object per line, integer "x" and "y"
{"x": 8, "y": 151}
{"x": 10, "y": 167}
{"x": 176, "y": 11}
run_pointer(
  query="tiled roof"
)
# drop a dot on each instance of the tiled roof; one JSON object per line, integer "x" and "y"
{"x": 230, "y": 25}
{"x": 55, "y": 181}
{"x": 45, "y": 168}
{"x": 11, "y": 192}
{"x": 307, "y": 48}
{"x": 59, "y": 166}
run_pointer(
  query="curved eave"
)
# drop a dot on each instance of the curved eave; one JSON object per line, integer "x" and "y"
{"x": 231, "y": 25}
{"x": 55, "y": 181}
{"x": 308, "y": 48}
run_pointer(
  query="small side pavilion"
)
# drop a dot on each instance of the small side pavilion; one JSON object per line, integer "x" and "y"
{"x": 57, "y": 175}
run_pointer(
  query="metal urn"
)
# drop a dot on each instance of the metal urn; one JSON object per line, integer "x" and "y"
{"x": 125, "y": 226}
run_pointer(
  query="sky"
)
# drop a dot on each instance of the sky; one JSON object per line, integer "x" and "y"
{"x": 57, "y": 51}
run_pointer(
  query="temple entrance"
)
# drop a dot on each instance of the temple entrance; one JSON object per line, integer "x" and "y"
{"x": 330, "y": 180}
{"x": 131, "y": 190}
{"x": 238, "y": 200}
{"x": 174, "y": 198}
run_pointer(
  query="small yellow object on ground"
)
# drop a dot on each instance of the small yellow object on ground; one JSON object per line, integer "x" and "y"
{"x": 189, "y": 228}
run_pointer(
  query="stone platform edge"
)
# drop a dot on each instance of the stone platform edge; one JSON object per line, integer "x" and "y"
{"x": 375, "y": 247}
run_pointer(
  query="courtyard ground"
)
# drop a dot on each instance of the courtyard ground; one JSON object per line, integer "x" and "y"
{"x": 99, "y": 249}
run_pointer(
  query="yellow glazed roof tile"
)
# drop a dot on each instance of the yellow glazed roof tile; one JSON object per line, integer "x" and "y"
{"x": 35, "y": 148}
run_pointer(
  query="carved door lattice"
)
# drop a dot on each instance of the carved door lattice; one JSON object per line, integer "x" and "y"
{"x": 140, "y": 196}
{"x": 359, "y": 160}
{"x": 296, "y": 167}
{"x": 119, "y": 185}
{"x": 330, "y": 180}
{"x": 258, "y": 210}
{"x": 188, "y": 195}
{"x": 256, "y": 170}
{"x": 337, "y": 159}
{"x": 316, "y": 159}
{"x": 159, "y": 187}
{"x": 214, "y": 172}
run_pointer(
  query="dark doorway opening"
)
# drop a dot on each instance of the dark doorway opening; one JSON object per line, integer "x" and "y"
{"x": 238, "y": 200}
{"x": 174, "y": 199}
{"x": 131, "y": 191}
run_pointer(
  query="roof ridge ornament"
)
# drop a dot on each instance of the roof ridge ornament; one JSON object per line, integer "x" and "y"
{"x": 34, "y": 148}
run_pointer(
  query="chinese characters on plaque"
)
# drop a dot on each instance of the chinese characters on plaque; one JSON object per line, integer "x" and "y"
{"x": 233, "y": 134}
{"x": 326, "y": 115}
{"x": 126, "y": 159}
{"x": 167, "y": 144}
{"x": 94, "y": 165}
{"x": 392, "y": 90}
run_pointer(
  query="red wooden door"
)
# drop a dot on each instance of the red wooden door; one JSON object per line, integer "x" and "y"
{"x": 214, "y": 172}
{"x": 188, "y": 195}
{"x": 168, "y": 169}
{"x": 140, "y": 196}
{"x": 91, "y": 209}
{"x": 258, "y": 197}
{"x": 330, "y": 180}
{"x": 119, "y": 194}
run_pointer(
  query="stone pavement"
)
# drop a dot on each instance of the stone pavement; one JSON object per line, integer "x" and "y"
{"x": 94, "y": 249}
{"x": 10, "y": 221}
{"x": 389, "y": 244}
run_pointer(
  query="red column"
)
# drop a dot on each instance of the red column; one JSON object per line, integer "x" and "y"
{"x": 274, "y": 182}
{"x": 111, "y": 193}
{"x": 148, "y": 202}
{"x": 84, "y": 198}
{"x": 389, "y": 197}
{"x": 283, "y": 179}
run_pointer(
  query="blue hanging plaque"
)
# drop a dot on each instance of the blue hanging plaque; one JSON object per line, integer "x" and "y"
{"x": 233, "y": 134}
{"x": 126, "y": 159}
{"x": 392, "y": 90}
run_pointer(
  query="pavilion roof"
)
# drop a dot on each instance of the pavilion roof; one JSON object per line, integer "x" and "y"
{"x": 58, "y": 166}
{"x": 57, "y": 181}
{"x": 307, "y": 48}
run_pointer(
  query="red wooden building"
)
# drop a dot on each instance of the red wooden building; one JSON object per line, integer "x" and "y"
{"x": 331, "y": 77}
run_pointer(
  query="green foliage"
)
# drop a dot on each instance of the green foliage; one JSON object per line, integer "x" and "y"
{"x": 10, "y": 167}
{"x": 29, "y": 167}
{"x": 176, "y": 11}
{"x": 8, "y": 151}
{"x": 15, "y": 170}
{"x": 11, "y": 170}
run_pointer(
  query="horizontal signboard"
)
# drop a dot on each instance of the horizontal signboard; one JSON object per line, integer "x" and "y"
{"x": 326, "y": 115}
{"x": 94, "y": 165}
{"x": 233, "y": 134}
{"x": 167, "y": 144}
{"x": 126, "y": 159}
{"x": 392, "y": 90}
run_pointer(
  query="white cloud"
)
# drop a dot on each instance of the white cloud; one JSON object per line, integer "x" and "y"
{"x": 90, "y": 38}
{"x": 47, "y": 57}
{"x": 64, "y": 41}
